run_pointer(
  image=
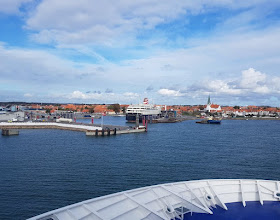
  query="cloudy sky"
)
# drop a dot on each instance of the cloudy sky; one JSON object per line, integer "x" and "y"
{"x": 173, "y": 52}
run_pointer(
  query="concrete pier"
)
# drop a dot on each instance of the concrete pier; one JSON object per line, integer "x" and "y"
{"x": 9, "y": 132}
{"x": 89, "y": 129}
{"x": 109, "y": 132}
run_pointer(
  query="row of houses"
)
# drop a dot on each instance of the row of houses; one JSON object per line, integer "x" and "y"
{"x": 235, "y": 111}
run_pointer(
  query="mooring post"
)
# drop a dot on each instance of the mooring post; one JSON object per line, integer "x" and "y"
{"x": 146, "y": 125}
{"x": 115, "y": 131}
{"x": 96, "y": 132}
{"x": 137, "y": 120}
{"x": 108, "y": 132}
{"x": 102, "y": 132}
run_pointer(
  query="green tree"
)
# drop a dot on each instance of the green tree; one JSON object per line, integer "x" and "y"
{"x": 123, "y": 109}
{"x": 201, "y": 107}
{"x": 115, "y": 107}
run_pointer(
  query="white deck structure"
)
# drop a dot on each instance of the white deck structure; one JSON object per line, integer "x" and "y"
{"x": 169, "y": 201}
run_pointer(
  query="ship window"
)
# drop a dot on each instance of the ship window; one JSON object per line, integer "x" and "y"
{"x": 208, "y": 197}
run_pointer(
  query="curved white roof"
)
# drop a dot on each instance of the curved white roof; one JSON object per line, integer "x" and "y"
{"x": 169, "y": 201}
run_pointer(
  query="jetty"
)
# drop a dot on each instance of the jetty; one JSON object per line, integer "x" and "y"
{"x": 8, "y": 128}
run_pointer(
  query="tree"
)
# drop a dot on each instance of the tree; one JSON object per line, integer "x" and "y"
{"x": 236, "y": 107}
{"x": 114, "y": 107}
{"x": 201, "y": 107}
{"x": 123, "y": 109}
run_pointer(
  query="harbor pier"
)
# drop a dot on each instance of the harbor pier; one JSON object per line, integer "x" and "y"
{"x": 9, "y": 132}
{"x": 11, "y": 128}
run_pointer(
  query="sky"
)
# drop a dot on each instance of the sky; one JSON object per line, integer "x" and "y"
{"x": 172, "y": 52}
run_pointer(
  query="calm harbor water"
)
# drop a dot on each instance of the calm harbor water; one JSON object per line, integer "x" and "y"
{"x": 41, "y": 170}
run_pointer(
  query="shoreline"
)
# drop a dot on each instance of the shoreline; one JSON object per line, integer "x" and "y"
{"x": 252, "y": 118}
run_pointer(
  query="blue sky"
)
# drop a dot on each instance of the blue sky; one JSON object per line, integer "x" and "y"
{"x": 173, "y": 52}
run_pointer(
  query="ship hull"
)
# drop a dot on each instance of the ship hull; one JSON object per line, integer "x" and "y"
{"x": 214, "y": 121}
{"x": 132, "y": 117}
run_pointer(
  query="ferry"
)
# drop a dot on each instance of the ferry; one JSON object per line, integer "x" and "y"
{"x": 219, "y": 199}
{"x": 144, "y": 109}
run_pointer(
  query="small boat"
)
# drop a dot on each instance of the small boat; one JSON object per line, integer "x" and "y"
{"x": 210, "y": 120}
{"x": 214, "y": 121}
{"x": 221, "y": 199}
{"x": 96, "y": 116}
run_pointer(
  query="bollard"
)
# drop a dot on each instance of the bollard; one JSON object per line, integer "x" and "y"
{"x": 137, "y": 120}
{"x": 144, "y": 120}
{"x": 146, "y": 125}
{"x": 115, "y": 131}
{"x": 108, "y": 132}
{"x": 102, "y": 132}
{"x": 96, "y": 132}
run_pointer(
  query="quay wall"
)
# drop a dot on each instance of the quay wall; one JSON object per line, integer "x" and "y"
{"x": 88, "y": 129}
{"x": 47, "y": 125}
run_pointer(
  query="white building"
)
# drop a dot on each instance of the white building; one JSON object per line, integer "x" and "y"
{"x": 212, "y": 107}
{"x": 12, "y": 116}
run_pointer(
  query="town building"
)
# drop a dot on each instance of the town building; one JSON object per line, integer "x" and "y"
{"x": 212, "y": 108}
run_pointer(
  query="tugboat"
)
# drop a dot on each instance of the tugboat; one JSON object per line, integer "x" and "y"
{"x": 210, "y": 120}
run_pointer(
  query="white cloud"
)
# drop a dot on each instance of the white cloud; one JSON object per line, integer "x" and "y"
{"x": 28, "y": 95}
{"x": 12, "y": 6}
{"x": 252, "y": 79}
{"x": 131, "y": 94}
{"x": 41, "y": 70}
{"x": 222, "y": 87}
{"x": 78, "y": 95}
{"x": 214, "y": 62}
{"x": 100, "y": 97}
{"x": 251, "y": 83}
{"x": 106, "y": 22}
{"x": 169, "y": 92}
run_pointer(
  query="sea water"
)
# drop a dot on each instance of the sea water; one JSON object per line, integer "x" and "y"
{"x": 41, "y": 170}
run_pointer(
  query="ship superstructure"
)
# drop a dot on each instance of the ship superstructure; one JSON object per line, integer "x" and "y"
{"x": 145, "y": 109}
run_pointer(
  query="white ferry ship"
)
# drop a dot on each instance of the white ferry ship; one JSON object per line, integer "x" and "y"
{"x": 144, "y": 109}
{"x": 220, "y": 199}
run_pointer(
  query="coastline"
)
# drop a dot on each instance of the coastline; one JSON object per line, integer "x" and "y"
{"x": 252, "y": 118}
